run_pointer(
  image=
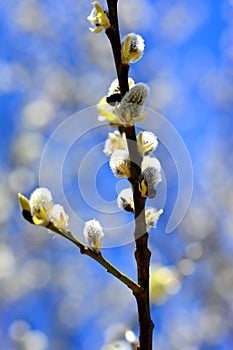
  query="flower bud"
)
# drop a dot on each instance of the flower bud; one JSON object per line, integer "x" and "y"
{"x": 40, "y": 210}
{"x": 125, "y": 200}
{"x": 130, "y": 108}
{"x": 115, "y": 141}
{"x": 120, "y": 164}
{"x": 41, "y": 204}
{"x": 147, "y": 143}
{"x": 93, "y": 234}
{"x": 152, "y": 216}
{"x": 132, "y": 48}
{"x": 58, "y": 217}
{"x": 151, "y": 174}
{"x": 98, "y": 18}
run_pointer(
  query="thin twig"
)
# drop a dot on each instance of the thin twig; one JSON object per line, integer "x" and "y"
{"x": 136, "y": 288}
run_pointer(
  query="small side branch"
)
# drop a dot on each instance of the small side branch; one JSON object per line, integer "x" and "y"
{"x": 136, "y": 289}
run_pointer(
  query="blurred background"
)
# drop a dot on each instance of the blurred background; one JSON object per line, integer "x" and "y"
{"x": 52, "y": 66}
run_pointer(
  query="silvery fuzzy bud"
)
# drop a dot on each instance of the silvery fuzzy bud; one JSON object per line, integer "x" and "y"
{"x": 93, "y": 234}
{"x": 58, "y": 217}
{"x": 115, "y": 141}
{"x": 147, "y": 143}
{"x": 132, "y": 48}
{"x": 98, "y": 18}
{"x": 120, "y": 164}
{"x": 151, "y": 174}
{"x": 125, "y": 200}
{"x": 152, "y": 216}
{"x": 130, "y": 108}
{"x": 41, "y": 204}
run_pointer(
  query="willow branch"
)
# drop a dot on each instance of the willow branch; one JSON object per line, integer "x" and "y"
{"x": 136, "y": 288}
{"x": 142, "y": 253}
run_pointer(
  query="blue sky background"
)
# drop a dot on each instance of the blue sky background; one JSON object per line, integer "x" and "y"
{"x": 52, "y": 66}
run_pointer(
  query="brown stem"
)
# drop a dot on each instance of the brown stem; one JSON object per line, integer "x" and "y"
{"x": 113, "y": 35}
{"x": 142, "y": 253}
{"x": 142, "y": 256}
